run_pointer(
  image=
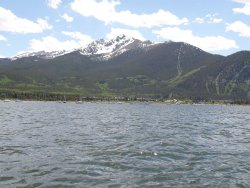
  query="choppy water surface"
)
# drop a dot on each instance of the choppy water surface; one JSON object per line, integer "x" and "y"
{"x": 47, "y": 144}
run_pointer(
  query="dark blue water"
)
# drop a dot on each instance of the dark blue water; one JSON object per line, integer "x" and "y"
{"x": 48, "y": 144}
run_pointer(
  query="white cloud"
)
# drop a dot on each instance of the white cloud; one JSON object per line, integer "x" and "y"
{"x": 82, "y": 39}
{"x": 199, "y": 20}
{"x": 207, "y": 43}
{"x": 50, "y": 43}
{"x": 130, "y": 33}
{"x": 216, "y": 20}
{"x": 67, "y": 18}
{"x": 242, "y": 1}
{"x": 2, "y": 38}
{"x": 239, "y": 27}
{"x": 244, "y": 10}
{"x": 209, "y": 18}
{"x": 2, "y": 56}
{"x": 54, "y": 3}
{"x": 11, "y": 23}
{"x": 105, "y": 10}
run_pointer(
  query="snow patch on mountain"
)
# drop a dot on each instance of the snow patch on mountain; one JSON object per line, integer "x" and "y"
{"x": 41, "y": 54}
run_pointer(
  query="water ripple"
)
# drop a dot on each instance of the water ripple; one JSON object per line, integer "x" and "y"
{"x": 47, "y": 144}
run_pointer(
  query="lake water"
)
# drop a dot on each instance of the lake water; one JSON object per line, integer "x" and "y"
{"x": 48, "y": 144}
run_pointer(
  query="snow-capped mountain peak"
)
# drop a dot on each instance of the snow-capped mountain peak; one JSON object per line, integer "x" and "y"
{"x": 107, "y": 49}
{"x": 106, "y": 46}
{"x": 104, "y": 49}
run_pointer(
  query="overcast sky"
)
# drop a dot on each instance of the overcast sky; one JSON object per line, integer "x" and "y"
{"x": 216, "y": 26}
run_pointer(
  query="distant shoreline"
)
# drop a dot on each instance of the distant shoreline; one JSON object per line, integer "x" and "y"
{"x": 139, "y": 100}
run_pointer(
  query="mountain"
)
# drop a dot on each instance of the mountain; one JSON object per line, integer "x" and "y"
{"x": 101, "y": 49}
{"x": 129, "y": 67}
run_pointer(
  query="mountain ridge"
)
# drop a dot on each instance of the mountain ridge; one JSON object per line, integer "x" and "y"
{"x": 132, "y": 68}
{"x": 105, "y": 48}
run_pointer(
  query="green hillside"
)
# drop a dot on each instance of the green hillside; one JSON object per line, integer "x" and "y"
{"x": 169, "y": 70}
